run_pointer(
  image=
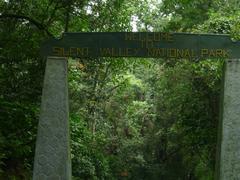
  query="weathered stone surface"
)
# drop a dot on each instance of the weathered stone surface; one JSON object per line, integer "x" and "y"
{"x": 52, "y": 156}
{"x": 230, "y": 136}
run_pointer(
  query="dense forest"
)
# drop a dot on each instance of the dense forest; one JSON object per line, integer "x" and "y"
{"x": 131, "y": 118}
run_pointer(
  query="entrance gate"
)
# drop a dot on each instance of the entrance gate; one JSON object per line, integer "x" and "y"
{"x": 52, "y": 156}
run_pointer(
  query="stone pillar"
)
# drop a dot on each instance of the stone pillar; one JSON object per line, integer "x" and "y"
{"x": 52, "y": 155}
{"x": 229, "y": 137}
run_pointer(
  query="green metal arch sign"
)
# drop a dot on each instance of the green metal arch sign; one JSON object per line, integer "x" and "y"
{"x": 143, "y": 44}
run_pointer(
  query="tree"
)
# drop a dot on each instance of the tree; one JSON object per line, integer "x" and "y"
{"x": 130, "y": 118}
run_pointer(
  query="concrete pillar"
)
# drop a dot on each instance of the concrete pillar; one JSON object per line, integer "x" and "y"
{"x": 229, "y": 137}
{"x": 52, "y": 155}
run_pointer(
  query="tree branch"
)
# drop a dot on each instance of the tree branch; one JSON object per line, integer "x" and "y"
{"x": 67, "y": 17}
{"x": 31, "y": 20}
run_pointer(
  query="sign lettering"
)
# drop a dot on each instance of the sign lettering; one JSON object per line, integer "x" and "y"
{"x": 143, "y": 44}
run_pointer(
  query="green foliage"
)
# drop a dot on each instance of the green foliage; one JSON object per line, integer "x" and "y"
{"x": 130, "y": 118}
{"x": 88, "y": 157}
{"x": 185, "y": 14}
{"x": 18, "y": 130}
